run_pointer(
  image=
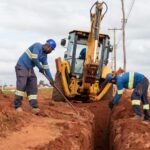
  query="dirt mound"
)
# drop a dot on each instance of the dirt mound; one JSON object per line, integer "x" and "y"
{"x": 9, "y": 120}
{"x": 59, "y": 127}
{"x": 51, "y": 129}
{"x": 127, "y": 133}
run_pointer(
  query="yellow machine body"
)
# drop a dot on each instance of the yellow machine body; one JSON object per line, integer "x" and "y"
{"x": 89, "y": 80}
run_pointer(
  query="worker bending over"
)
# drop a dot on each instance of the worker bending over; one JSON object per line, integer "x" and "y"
{"x": 35, "y": 55}
{"x": 136, "y": 81}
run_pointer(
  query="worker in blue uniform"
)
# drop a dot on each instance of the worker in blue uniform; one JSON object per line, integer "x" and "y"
{"x": 35, "y": 55}
{"x": 82, "y": 54}
{"x": 136, "y": 81}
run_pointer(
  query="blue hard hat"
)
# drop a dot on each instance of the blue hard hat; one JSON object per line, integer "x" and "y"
{"x": 109, "y": 77}
{"x": 52, "y": 43}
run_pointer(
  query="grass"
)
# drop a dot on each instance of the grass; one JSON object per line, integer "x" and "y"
{"x": 45, "y": 89}
{"x": 9, "y": 92}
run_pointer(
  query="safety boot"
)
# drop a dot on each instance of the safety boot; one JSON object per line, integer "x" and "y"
{"x": 146, "y": 115}
{"x": 35, "y": 110}
{"x": 19, "y": 109}
{"x": 137, "y": 118}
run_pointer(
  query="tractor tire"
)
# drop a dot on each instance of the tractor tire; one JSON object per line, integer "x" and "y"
{"x": 56, "y": 96}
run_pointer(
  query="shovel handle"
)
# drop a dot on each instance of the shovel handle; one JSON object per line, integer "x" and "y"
{"x": 62, "y": 94}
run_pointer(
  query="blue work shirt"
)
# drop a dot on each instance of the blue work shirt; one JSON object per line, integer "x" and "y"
{"x": 127, "y": 80}
{"x": 34, "y": 56}
{"x": 82, "y": 53}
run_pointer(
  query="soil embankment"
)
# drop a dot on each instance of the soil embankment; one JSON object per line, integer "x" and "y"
{"x": 125, "y": 132}
{"x": 58, "y": 126}
{"x": 55, "y": 127}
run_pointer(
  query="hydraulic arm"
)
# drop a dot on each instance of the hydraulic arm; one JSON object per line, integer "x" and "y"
{"x": 92, "y": 55}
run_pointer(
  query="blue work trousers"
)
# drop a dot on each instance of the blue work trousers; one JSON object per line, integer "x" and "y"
{"x": 26, "y": 82}
{"x": 140, "y": 93}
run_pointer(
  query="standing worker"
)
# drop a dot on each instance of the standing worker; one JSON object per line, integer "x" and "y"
{"x": 136, "y": 81}
{"x": 35, "y": 55}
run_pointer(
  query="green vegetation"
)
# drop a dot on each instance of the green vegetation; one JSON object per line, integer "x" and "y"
{"x": 50, "y": 89}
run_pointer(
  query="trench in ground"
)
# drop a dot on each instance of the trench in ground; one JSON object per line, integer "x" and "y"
{"x": 101, "y": 120}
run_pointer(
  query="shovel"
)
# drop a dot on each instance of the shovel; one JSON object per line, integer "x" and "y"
{"x": 62, "y": 94}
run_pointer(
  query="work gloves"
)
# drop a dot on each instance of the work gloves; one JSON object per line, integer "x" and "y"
{"x": 111, "y": 105}
{"x": 42, "y": 70}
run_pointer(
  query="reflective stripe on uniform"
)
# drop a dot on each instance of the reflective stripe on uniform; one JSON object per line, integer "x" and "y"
{"x": 19, "y": 93}
{"x": 31, "y": 55}
{"x": 136, "y": 102}
{"x": 146, "y": 106}
{"x": 131, "y": 80}
{"x": 30, "y": 97}
{"x": 120, "y": 91}
{"x": 45, "y": 66}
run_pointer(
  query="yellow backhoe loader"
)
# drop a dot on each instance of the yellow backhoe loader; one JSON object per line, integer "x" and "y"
{"x": 83, "y": 77}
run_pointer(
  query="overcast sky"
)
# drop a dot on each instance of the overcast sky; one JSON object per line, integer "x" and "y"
{"x": 24, "y": 22}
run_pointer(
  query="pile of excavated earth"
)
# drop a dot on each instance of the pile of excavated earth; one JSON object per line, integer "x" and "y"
{"x": 58, "y": 127}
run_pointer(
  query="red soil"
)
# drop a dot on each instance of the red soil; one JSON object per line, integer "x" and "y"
{"x": 127, "y": 133}
{"x": 59, "y": 128}
{"x": 55, "y": 127}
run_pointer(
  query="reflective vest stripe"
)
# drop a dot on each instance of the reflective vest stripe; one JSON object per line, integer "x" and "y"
{"x": 31, "y": 55}
{"x": 131, "y": 80}
{"x": 136, "y": 102}
{"x": 120, "y": 91}
{"x": 19, "y": 93}
{"x": 146, "y": 106}
{"x": 45, "y": 66}
{"x": 31, "y": 97}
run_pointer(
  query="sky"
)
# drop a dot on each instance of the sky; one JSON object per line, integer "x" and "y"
{"x": 24, "y": 22}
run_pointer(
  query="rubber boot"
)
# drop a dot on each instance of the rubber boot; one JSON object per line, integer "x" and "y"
{"x": 137, "y": 118}
{"x": 35, "y": 111}
{"x": 19, "y": 109}
{"x": 146, "y": 115}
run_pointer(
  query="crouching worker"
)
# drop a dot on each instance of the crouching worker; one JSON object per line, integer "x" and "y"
{"x": 35, "y": 55}
{"x": 136, "y": 81}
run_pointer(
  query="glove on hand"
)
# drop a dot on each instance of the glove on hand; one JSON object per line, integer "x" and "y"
{"x": 42, "y": 71}
{"x": 111, "y": 105}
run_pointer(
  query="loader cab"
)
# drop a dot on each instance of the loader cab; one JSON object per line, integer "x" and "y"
{"x": 77, "y": 41}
